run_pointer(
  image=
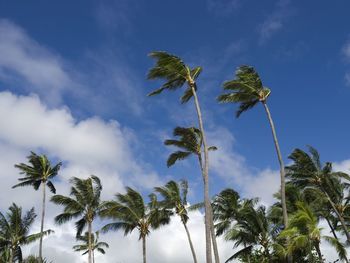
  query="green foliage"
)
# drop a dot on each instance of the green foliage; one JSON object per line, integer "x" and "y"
{"x": 14, "y": 231}
{"x": 246, "y": 89}
{"x": 130, "y": 212}
{"x": 95, "y": 244}
{"x": 83, "y": 204}
{"x": 174, "y": 72}
{"x": 37, "y": 172}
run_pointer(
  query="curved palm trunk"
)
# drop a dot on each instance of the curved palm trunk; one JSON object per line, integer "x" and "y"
{"x": 11, "y": 255}
{"x": 318, "y": 250}
{"x": 144, "y": 249}
{"x": 89, "y": 242}
{"x": 190, "y": 241}
{"x": 280, "y": 160}
{"x": 341, "y": 219}
{"x": 332, "y": 229}
{"x": 205, "y": 171}
{"x": 42, "y": 223}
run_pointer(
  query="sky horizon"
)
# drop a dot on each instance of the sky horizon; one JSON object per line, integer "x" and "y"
{"x": 73, "y": 86}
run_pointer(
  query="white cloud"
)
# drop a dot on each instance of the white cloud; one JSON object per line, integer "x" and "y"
{"x": 346, "y": 50}
{"x": 274, "y": 21}
{"x": 33, "y": 65}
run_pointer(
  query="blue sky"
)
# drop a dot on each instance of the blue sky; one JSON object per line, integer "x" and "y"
{"x": 91, "y": 59}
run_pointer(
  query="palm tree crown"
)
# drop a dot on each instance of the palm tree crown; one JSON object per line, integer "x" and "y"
{"x": 175, "y": 73}
{"x": 189, "y": 142}
{"x": 84, "y": 203}
{"x": 247, "y": 89}
{"x": 14, "y": 231}
{"x": 39, "y": 171}
{"x": 130, "y": 212}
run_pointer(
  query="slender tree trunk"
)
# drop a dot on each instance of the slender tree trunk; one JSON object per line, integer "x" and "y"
{"x": 11, "y": 255}
{"x": 190, "y": 241}
{"x": 144, "y": 249}
{"x": 280, "y": 160}
{"x": 42, "y": 223}
{"x": 332, "y": 229}
{"x": 93, "y": 256}
{"x": 89, "y": 242}
{"x": 341, "y": 219}
{"x": 318, "y": 250}
{"x": 205, "y": 172}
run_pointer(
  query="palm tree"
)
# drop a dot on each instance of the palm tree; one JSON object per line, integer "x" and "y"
{"x": 189, "y": 143}
{"x": 303, "y": 233}
{"x": 247, "y": 90}
{"x": 307, "y": 173}
{"x": 130, "y": 212}
{"x": 14, "y": 232}
{"x": 251, "y": 229}
{"x": 96, "y": 245}
{"x": 176, "y": 74}
{"x": 38, "y": 172}
{"x": 84, "y": 203}
{"x": 175, "y": 198}
{"x": 226, "y": 206}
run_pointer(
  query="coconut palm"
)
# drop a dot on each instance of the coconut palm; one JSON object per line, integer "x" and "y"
{"x": 14, "y": 232}
{"x": 96, "y": 245}
{"x": 303, "y": 233}
{"x": 251, "y": 229}
{"x": 130, "y": 212}
{"x": 177, "y": 74}
{"x": 39, "y": 172}
{"x": 226, "y": 207}
{"x": 84, "y": 204}
{"x": 307, "y": 173}
{"x": 175, "y": 198}
{"x": 247, "y": 89}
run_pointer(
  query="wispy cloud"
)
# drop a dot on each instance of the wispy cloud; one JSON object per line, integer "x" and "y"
{"x": 346, "y": 56}
{"x": 114, "y": 15}
{"x": 25, "y": 62}
{"x": 275, "y": 21}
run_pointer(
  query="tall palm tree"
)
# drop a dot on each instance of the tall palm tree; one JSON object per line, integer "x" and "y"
{"x": 96, "y": 245}
{"x": 39, "y": 172}
{"x": 130, "y": 212}
{"x": 307, "y": 173}
{"x": 190, "y": 143}
{"x": 176, "y": 74}
{"x": 84, "y": 204}
{"x": 175, "y": 198}
{"x": 248, "y": 90}
{"x": 14, "y": 231}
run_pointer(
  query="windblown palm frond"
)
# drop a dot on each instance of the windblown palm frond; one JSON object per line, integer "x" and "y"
{"x": 174, "y": 72}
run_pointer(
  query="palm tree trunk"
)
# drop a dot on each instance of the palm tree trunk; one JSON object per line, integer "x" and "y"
{"x": 332, "y": 229}
{"x": 205, "y": 172}
{"x": 93, "y": 256}
{"x": 190, "y": 241}
{"x": 144, "y": 249}
{"x": 318, "y": 250}
{"x": 89, "y": 242}
{"x": 341, "y": 219}
{"x": 280, "y": 160}
{"x": 11, "y": 255}
{"x": 42, "y": 223}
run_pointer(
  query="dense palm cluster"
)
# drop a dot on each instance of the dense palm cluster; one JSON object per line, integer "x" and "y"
{"x": 312, "y": 205}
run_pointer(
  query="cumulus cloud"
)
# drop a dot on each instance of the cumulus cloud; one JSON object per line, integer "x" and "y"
{"x": 33, "y": 65}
